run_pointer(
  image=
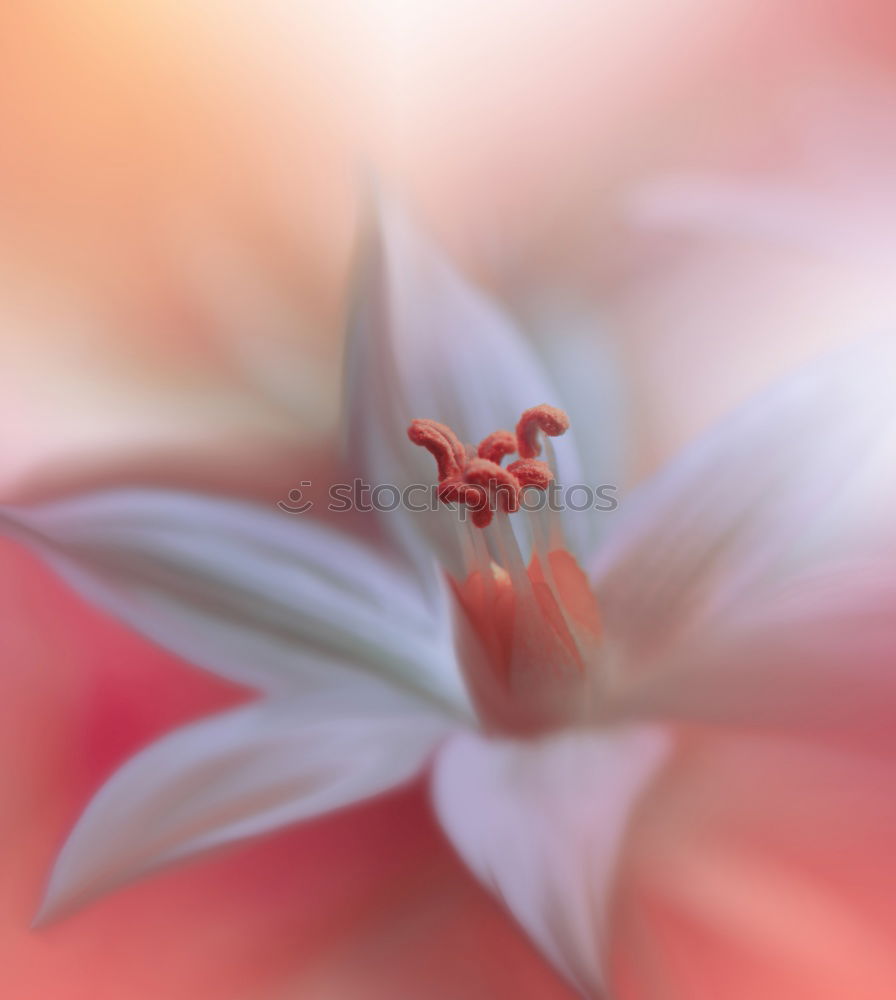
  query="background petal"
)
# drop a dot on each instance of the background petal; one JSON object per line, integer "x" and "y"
{"x": 541, "y": 825}
{"x": 759, "y": 867}
{"x": 817, "y": 657}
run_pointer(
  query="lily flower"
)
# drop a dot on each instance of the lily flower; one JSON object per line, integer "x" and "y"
{"x": 546, "y": 668}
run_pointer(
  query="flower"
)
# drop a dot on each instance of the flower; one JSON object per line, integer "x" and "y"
{"x": 749, "y": 586}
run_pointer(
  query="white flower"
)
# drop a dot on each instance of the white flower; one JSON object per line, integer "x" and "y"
{"x": 750, "y": 584}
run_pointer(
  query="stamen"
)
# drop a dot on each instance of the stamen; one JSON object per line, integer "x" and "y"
{"x": 547, "y": 419}
{"x": 475, "y": 477}
{"x": 552, "y": 515}
{"x": 499, "y": 482}
{"x": 442, "y": 443}
{"x": 471, "y": 495}
{"x": 496, "y": 446}
{"x": 509, "y": 555}
{"x": 530, "y": 629}
{"x": 531, "y": 472}
{"x": 482, "y": 517}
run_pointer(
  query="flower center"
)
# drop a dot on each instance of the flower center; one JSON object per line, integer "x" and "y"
{"x": 528, "y": 631}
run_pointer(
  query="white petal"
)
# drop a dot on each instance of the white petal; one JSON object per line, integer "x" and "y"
{"x": 753, "y": 581}
{"x": 237, "y": 775}
{"x": 802, "y": 477}
{"x": 541, "y": 824}
{"x": 269, "y": 599}
{"x": 423, "y": 342}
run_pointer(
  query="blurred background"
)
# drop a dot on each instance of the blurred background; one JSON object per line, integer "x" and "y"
{"x": 705, "y": 182}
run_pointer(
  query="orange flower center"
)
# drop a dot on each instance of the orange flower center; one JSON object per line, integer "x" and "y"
{"x": 527, "y": 633}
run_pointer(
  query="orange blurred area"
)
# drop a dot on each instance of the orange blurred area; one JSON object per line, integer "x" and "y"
{"x": 180, "y": 191}
{"x": 179, "y": 184}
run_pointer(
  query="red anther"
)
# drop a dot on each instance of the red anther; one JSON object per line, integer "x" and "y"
{"x": 496, "y": 446}
{"x": 475, "y": 477}
{"x": 442, "y": 443}
{"x": 449, "y": 491}
{"x": 471, "y": 496}
{"x": 482, "y": 518}
{"x": 500, "y": 484}
{"x": 531, "y": 472}
{"x": 476, "y": 499}
{"x": 457, "y": 491}
{"x": 547, "y": 419}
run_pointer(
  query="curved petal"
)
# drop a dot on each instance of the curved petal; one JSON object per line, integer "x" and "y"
{"x": 759, "y": 867}
{"x": 237, "y": 775}
{"x": 541, "y": 824}
{"x": 423, "y": 342}
{"x": 801, "y": 478}
{"x": 270, "y": 600}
